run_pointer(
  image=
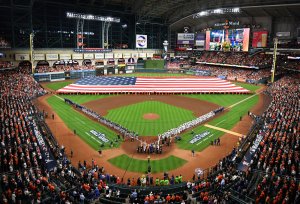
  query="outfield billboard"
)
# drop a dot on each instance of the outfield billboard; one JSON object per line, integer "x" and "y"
{"x": 185, "y": 38}
{"x": 141, "y": 41}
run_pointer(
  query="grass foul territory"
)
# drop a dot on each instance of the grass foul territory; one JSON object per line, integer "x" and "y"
{"x": 83, "y": 125}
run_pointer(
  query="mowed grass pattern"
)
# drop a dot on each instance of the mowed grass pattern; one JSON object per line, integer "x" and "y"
{"x": 131, "y": 117}
{"x": 80, "y": 99}
{"x": 226, "y": 121}
{"x": 141, "y": 166}
{"x": 76, "y": 121}
{"x": 58, "y": 85}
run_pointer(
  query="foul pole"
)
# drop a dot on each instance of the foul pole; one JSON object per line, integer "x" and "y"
{"x": 274, "y": 59}
{"x": 31, "y": 52}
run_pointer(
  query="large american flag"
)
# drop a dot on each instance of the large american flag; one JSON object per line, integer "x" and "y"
{"x": 152, "y": 85}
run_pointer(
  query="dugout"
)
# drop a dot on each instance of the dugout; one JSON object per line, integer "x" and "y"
{"x": 121, "y": 65}
{"x": 140, "y": 63}
{"x": 110, "y": 66}
{"x": 87, "y": 62}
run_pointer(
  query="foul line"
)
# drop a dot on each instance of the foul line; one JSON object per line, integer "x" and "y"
{"x": 92, "y": 137}
{"x": 243, "y": 100}
{"x": 220, "y": 122}
{"x": 59, "y": 97}
{"x": 223, "y": 130}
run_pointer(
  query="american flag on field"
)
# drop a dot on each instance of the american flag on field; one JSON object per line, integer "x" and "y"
{"x": 152, "y": 85}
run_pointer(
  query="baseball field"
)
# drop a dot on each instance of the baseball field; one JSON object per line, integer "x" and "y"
{"x": 150, "y": 115}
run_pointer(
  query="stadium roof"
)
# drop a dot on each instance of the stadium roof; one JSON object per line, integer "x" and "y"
{"x": 177, "y": 13}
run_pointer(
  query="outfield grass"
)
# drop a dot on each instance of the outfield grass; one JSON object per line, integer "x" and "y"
{"x": 58, "y": 85}
{"x": 250, "y": 87}
{"x": 170, "y": 116}
{"x": 226, "y": 121}
{"x": 225, "y": 100}
{"x": 82, "y": 124}
{"x": 131, "y": 117}
{"x": 141, "y": 166}
{"x": 155, "y": 75}
{"x": 80, "y": 99}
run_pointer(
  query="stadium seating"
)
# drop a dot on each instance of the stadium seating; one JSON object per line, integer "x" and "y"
{"x": 272, "y": 175}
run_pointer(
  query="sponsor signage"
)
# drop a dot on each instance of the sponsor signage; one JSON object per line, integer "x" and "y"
{"x": 185, "y": 38}
{"x": 77, "y": 56}
{"x": 150, "y": 55}
{"x": 22, "y": 57}
{"x": 99, "y": 55}
{"x": 141, "y": 41}
{"x": 200, "y": 136}
{"x": 39, "y": 56}
{"x": 109, "y": 55}
{"x": 118, "y": 55}
{"x": 134, "y": 55}
{"x": 259, "y": 39}
{"x": 142, "y": 55}
{"x": 64, "y": 56}
{"x": 46, "y": 153}
{"x": 88, "y": 56}
{"x": 126, "y": 55}
{"x": 283, "y": 34}
{"x": 93, "y": 50}
{"x": 51, "y": 56}
{"x": 200, "y": 40}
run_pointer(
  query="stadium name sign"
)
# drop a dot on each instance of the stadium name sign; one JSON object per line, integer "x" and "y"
{"x": 93, "y": 17}
{"x": 227, "y": 23}
{"x": 200, "y": 136}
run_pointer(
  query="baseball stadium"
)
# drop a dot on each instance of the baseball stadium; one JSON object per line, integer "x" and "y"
{"x": 149, "y": 102}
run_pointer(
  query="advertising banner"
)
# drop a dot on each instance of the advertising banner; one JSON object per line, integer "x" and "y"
{"x": 200, "y": 40}
{"x": 39, "y": 56}
{"x": 185, "y": 38}
{"x": 142, "y": 55}
{"x": 21, "y": 57}
{"x": 64, "y": 56}
{"x": 126, "y": 55}
{"x": 150, "y": 55}
{"x": 259, "y": 39}
{"x": 109, "y": 55}
{"x": 99, "y": 55}
{"x": 141, "y": 41}
{"x": 118, "y": 55}
{"x": 77, "y": 56}
{"x": 88, "y": 56}
{"x": 51, "y": 56}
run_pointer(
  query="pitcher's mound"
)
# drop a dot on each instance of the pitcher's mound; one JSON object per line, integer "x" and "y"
{"x": 150, "y": 116}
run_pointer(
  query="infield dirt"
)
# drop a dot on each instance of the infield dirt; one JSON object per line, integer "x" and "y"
{"x": 204, "y": 159}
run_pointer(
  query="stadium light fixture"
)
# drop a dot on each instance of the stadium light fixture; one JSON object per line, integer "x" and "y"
{"x": 93, "y": 17}
{"x": 217, "y": 11}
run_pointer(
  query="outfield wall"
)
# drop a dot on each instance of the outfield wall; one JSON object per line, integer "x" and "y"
{"x": 53, "y": 55}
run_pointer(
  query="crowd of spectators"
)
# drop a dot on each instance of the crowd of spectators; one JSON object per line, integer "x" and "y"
{"x": 273, "y": 172}
{"x": 5, "y": 64}
{"x": 62, "y": 68}
{"x": 236, "y": 58}
{"x": 4, "y": 43}
{"x": 239, "y": 74}
{"x": 272, "y": 175}
{"x": 21, "y": 160}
